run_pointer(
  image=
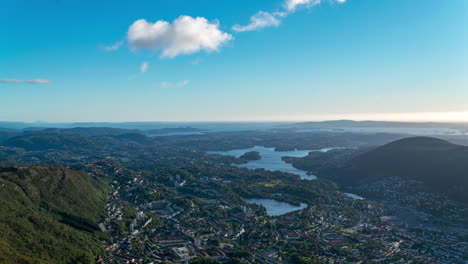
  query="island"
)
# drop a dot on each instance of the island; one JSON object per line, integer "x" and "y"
{"x": 251, "y": 155}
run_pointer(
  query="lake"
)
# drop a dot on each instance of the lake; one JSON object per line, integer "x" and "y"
{"x": 271, "y": 159}
{"x": 276, "y": 208}
{"x": 354, "y": 196}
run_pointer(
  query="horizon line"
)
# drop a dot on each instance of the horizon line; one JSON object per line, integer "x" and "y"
{"x": 244, "y": 121}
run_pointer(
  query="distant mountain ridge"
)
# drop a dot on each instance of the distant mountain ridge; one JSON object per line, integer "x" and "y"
{"x": 89, "y": 131}
{"x": 77, "y": 139}
{"x": 374, "y": 124}
{"x": 212, "y": 126}
{"x": 174, "y": 130}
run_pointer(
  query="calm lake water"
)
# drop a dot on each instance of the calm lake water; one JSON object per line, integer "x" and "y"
{"x": 354, "y": 196}
{"x": 275, "y": 208}
{"x": 271, "y": 159}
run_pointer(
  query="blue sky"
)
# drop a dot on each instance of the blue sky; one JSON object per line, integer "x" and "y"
{"x": 80, "y": 60}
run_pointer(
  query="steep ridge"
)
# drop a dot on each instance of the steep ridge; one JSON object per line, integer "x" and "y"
{"x": 50, "y": 215}
{"x": 440, "y": 165}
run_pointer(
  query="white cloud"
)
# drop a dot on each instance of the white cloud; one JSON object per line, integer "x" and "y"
{"x": 264, "y": 19}
{"x": 33, "y": 81}
{"x": 113, "y": 47}
{"x": 184, "y": 83}
{"x": 258, "y": 21}
{"x": 186, "y": 35}
{"x": 291, "y": 5}
{"x": 178, "y": 84}
{"x": 144, "y": 67}
{"x": 166, "y": 84}
{"x": 280, "y": 14}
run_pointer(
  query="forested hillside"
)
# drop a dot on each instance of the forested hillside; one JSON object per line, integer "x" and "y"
{"x": 50, "y": 215}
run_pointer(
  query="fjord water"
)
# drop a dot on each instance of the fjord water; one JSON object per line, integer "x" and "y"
{"x": 276, "y": 208}
{"x": 354, "y": 196}
{"x": 271, "y": 159}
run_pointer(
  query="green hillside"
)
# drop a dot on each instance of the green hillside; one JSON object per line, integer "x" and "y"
{"x": 49, "y": 215}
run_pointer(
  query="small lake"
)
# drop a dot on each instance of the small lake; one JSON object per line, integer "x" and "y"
{"x": 271, "y": 159}
{"x": 276, "y": 208}
{"x": 354, "y": 196}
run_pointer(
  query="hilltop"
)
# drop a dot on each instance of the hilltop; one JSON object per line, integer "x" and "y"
{"x": 439, "y": 165}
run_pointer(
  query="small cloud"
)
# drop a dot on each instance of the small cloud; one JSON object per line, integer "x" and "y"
{"x": 258, "y": 21}
{"x": 264, "y": 19}
{"x": 292, "y": 5}
{"x": 166, "y": 84}
{"x": 113, "y": 47}
{"x": 280, "y": 14}
{"x": 178, "y": 84}
{"x": 184, "y": 83}
{"x": 186, "y": 35}
{"x": 33, "y": 81}
{"x": 144, "y": 67}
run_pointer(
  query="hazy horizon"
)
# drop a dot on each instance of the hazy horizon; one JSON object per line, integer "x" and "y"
{"x": 440, "y": 117}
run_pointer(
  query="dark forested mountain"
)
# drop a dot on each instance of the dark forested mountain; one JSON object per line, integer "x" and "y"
{"x": 5, "y": 134}
{"x": 50, "y": 215}
{"x": 173, "y": 130}
{"x": 73, "y": 142}
{"x": 439, "y": 165}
